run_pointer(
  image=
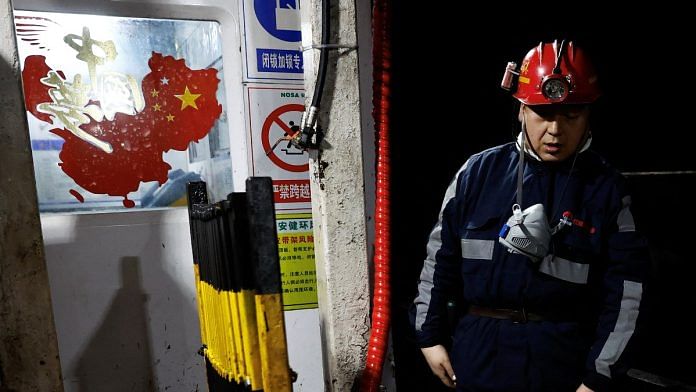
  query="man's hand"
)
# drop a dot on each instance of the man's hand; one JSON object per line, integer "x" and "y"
{"x": 439, "y": 362}
{"x": 583, "y": 388}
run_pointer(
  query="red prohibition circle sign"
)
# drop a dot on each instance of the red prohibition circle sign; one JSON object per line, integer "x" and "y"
{"x": 274, "y": 118}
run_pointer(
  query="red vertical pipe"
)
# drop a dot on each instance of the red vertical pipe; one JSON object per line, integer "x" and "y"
{"x": 381, "y": 55}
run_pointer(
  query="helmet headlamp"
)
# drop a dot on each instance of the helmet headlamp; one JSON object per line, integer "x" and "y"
{"x": 555, "y": 88}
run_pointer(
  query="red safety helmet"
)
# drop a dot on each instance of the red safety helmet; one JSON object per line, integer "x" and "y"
{"x": 556, "y": 73}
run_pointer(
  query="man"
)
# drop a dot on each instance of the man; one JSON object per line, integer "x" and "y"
{"x": 537, "y": 239}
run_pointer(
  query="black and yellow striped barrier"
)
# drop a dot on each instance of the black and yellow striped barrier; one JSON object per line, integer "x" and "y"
{"x": 238, "y": 285}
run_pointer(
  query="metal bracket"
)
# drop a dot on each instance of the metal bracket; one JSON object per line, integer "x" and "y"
{"x": 329, "y": 46}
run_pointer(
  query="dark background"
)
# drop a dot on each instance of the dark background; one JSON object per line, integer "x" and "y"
{"x": 447, "y": 105}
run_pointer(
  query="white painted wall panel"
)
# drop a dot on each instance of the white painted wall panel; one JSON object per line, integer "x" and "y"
{"x": 124, "y": 300}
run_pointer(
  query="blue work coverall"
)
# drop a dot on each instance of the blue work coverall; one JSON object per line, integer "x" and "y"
{"x": 588, "y": 290}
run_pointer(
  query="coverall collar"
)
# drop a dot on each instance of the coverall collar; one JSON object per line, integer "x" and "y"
{"x": 531, "y": 153}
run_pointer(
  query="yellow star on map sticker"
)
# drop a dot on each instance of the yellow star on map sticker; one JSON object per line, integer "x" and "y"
{"x": 188, "y": 99}
{"x": 154, "y": 93}
{"x": 170, "y": 117}
{"x": 156, "y": 107}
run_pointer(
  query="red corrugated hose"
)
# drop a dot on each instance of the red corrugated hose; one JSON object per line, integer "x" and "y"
{"x": 381, "y": 54}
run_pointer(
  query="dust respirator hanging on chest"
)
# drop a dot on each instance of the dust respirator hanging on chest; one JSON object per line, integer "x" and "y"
{"x": 527, "y": 231}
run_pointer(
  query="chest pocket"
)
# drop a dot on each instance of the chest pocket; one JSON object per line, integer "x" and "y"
{"x": 573, "y": 254}
{"x": 582, "y": 244}
{"x": 479, "y": 236}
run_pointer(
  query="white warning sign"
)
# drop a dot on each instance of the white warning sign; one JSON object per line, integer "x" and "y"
{"x": 274, "y": 113}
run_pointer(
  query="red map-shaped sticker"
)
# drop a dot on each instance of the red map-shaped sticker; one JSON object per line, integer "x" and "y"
{"x": 180, "y": 108}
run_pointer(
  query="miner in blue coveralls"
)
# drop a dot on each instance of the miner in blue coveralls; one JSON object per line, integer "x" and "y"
{"x": 537, "y": 240}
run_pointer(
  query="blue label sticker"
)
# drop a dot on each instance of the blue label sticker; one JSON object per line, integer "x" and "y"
{"x": 281, "y": 18}
{"x": 279, "y": 60}
{"x": 504, "y": 231}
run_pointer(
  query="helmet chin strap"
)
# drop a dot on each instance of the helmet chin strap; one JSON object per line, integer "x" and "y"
{"x": 526, "y": 137}
{"x": 517, "y": 207}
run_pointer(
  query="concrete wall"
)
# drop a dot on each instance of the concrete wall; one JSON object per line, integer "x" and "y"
{"x": 338, "y": 195}
{"x": 125, "y": 301}
{"x": 28, "y": 350}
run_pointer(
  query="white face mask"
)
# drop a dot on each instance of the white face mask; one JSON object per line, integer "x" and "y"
{"x": 527, "y": 232}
